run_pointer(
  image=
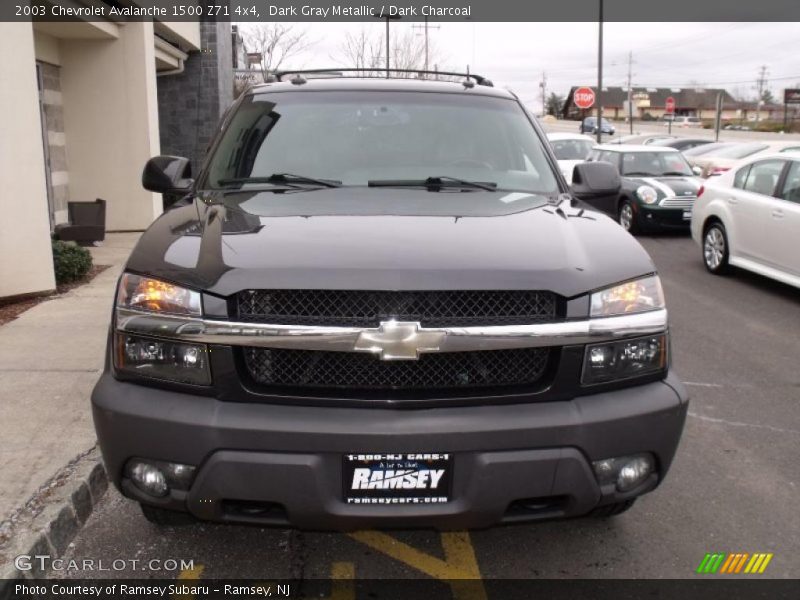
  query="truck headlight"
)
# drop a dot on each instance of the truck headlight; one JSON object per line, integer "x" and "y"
{"x": 640, "y": 295}
{"x": 162, "y": 359}
{"x": 647, "y": 194}
{"x": 615, "y": 361}
{"x": 155, "y": 357}
{"x": 153, "y": 295}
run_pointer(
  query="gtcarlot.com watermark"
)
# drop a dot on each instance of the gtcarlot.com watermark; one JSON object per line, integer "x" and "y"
{"x": 45, "y": 562}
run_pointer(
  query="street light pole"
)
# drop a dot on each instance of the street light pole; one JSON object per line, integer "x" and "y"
{"x": 599, "y": 95}
{"x": 387, "y": 47}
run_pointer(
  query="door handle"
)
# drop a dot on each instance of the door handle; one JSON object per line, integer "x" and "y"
{"x": 777, "y": 214}
{"x": 733, "y": 201}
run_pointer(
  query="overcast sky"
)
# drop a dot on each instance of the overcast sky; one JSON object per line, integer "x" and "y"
{"x": 665, "y": 54}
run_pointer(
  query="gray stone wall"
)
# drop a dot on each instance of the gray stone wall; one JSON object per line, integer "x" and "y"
{"x": 191, "y": 103}
{"x": 53, "y": 122}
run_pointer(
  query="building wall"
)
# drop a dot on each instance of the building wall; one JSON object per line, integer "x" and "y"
{"x": 191, "y": 103}
{"x": 111, "y": 123}
{"x": 26, "y": 260}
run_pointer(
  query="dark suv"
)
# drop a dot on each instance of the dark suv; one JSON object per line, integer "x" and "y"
{"x": 378, "y": 305}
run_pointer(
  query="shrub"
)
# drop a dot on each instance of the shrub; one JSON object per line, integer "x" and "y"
{"x": 70, "y": 261}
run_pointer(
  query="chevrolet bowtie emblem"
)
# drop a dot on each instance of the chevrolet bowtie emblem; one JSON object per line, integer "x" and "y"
{"x": 398, "y": 340}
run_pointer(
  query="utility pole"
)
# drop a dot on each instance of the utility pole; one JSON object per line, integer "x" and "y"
{"x": 599, "y": 94}
{"x": 426, "y": 27}
{"x": 630, "y": 91}
{"x": 543, "y": 85}
{"x": 761, "y": 84}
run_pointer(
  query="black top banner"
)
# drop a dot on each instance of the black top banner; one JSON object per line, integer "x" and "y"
{"x": 410, "y": 10}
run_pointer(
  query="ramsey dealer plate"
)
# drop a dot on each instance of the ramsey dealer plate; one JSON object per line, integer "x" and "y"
{"x": 397, "y": 478}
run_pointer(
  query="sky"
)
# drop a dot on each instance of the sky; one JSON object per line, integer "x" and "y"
{"x": 514, "y": 55}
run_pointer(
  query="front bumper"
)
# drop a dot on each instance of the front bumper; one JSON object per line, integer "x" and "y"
{"x": 655, "y": 217}
{"x": 281, "y": 465}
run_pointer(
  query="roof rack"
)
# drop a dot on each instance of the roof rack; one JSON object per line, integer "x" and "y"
{"x": 378, "y": 73}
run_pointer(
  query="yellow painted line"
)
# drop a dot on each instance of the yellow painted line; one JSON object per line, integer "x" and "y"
{"x": 459, "y": 569}
{"x": 192, "y": 574}
{"x": 342, "y": 576}
{"x": 764, "y": 564}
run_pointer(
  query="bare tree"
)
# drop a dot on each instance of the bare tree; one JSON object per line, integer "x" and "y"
{"x": 366, "y": 49}
{"x": 276, "y": 43}
{"x": 361, "y": 50}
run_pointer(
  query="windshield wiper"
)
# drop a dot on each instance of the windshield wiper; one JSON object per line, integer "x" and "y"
{"x": 681, "y": 174}
{"x": 638, "y": 174}
{"x": 434, "y": 183}
{"x": 283, "y": 179}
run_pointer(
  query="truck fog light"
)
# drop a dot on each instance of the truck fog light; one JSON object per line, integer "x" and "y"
{"x": 148, "y": 478}
{"x": 634, "y": 472}
{"x": 626, "y": 472}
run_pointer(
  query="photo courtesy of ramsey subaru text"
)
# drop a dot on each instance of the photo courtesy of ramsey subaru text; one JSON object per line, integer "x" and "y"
{"x": 378, "y": 303}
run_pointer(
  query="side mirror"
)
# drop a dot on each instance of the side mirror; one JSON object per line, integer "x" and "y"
{"x": 697, "y": 171}
{"x": 168, "y": 175}
{"x": 594, "y": 180}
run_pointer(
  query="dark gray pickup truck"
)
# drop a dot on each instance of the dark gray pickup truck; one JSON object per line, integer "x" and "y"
{"x": 378, "y": 304}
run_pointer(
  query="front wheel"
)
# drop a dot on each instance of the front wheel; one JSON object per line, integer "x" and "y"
{"x": 715, "y": 249}
{"x": 627, "y": 217}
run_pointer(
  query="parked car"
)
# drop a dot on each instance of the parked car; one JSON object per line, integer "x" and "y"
{"x": 570, "y": 149}
{"x": 723, "y": 159}
{"x": 685, "y": 122}
{"x": 658, "y": 187}
{"x": 641, "y": 139}
{"x": 379, "y": 308}
{"x": 681, "y": 144}
{"x": 749, "y": 217}
{"x": 589, "y": 125}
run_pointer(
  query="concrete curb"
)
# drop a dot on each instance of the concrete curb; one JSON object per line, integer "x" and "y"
{"x": 50, "y": 519}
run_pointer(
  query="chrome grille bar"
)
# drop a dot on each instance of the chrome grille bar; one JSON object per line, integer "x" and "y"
{"x": 346, "y": 339}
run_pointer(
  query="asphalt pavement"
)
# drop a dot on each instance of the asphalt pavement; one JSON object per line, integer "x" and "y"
{"x": 733, "y": 486}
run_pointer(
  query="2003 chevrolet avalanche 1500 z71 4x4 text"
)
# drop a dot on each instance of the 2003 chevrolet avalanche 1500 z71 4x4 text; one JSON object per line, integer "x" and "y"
{"x": 379, "y": 305}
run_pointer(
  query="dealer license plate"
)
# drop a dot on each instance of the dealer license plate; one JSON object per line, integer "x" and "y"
{"x": 410, "y": 478}
{"x": 687, "y": 215}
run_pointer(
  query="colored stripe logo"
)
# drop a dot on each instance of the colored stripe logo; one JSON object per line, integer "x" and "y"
{"x": 734, "y": 563}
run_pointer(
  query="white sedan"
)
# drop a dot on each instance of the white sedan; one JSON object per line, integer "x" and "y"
{"x": 570, "y": 149}
{"x": 750, "y": 218}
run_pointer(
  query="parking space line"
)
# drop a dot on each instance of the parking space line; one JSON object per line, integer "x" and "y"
{"x": 342, "y": 576}
{"x": 459, "y": 565}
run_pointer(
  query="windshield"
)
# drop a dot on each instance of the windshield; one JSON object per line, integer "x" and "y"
{"x": 649, "y": 164}
{"x": 572, "y": 149}
{"x": 367, "y": 137}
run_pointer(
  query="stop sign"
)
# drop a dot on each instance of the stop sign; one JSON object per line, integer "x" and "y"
{"x": 669, "y": 105}
{"x": 583, "y": 97}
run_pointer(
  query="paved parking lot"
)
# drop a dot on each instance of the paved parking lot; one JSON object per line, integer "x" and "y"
{"x": 733, "y": 486}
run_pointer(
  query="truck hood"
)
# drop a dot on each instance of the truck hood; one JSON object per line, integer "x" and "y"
{"x": 397, "y": 239}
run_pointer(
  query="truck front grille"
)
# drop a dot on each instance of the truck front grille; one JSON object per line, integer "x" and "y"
{"x": 357, "y": 308}
{"x": 351, "y": 372}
